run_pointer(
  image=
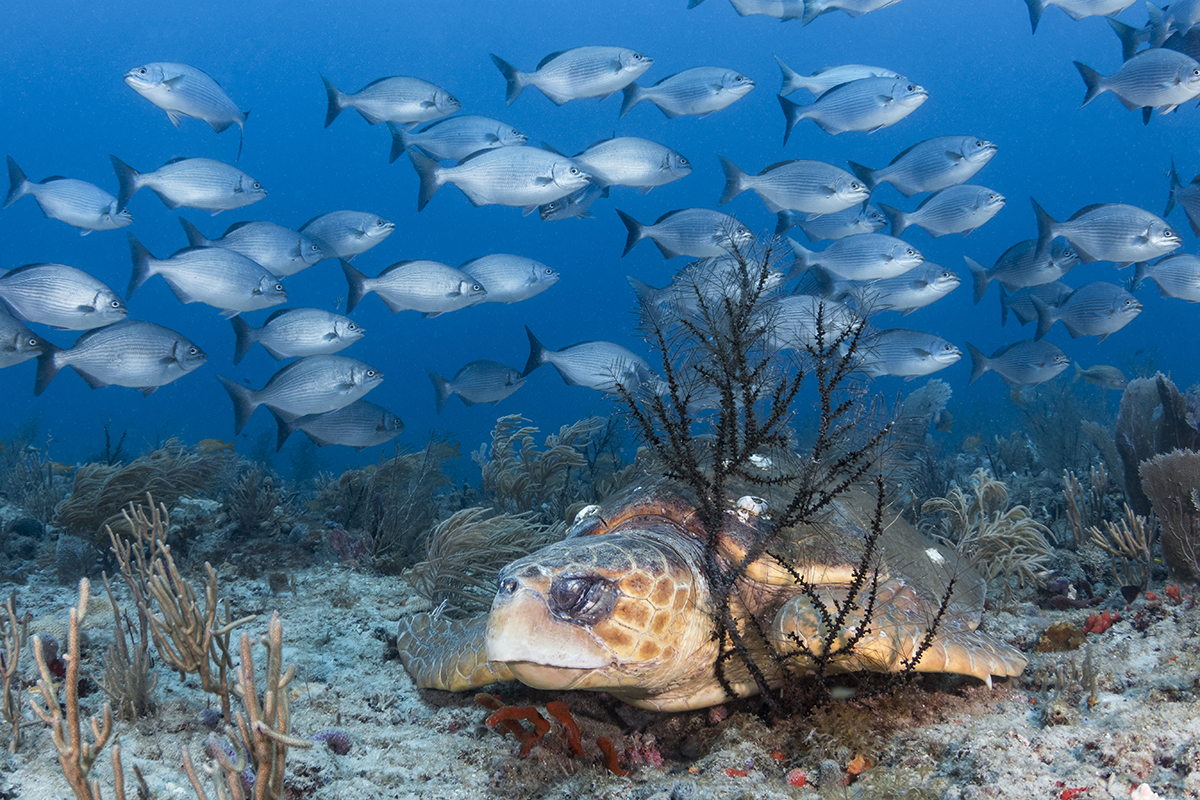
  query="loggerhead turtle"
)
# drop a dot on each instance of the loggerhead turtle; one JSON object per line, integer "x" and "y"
{"x": 622, "y": 605}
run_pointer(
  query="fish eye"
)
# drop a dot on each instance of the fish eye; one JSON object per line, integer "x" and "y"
{"x": 352, "y": 327}
{"x": 279, "y": 287}
{"x": 315, "y": 249}
{"x": 257, "y": 185}
{"x": 193, "y": 351}
{"x": 683, "y": 160}
{"x": 912, "y": 87}
{"x": 476, "y": 287}
{"x": 452, "y": 98}
{"x": 912, "y": 252}
{"x": 856, "y": 186}
{"x": 33, "y": 341}
{"x": 549, "y": 271}
{"x": 574, "y": 171}
{"x": 141, "y": 71}
{"x": 371, "y": 373}
{"x": 115, "y": 304}
{"x": 380, "y": 223}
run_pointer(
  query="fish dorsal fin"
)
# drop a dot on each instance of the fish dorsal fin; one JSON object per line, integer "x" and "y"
{"x": 549, "y": 58}
{"x": 177, "y": 160}
{"x": 393, "y": 267}
{"x": 277, "y": 314}
{"x": 549, "y": 148}
{"x": 26, "y": 268}
{"x": 235, "y": 226}
{"x": 376, "y": 81}
{"x": 664, "y": 80}
{"x": 778, "y": 164}
{"x": 1087, "y": 210}
{"x": 670, "y": 214}
{"x": 53, "y": 178}
{"x": 475, "y": 155}
{"x": 905, "y": 152}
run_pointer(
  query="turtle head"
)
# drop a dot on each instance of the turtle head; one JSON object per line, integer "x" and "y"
{"x": 620, "y": 612}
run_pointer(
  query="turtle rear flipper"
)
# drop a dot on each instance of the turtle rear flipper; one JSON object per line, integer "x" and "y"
{"x": 447, "y": 653}
{"x": 898, "y": 626}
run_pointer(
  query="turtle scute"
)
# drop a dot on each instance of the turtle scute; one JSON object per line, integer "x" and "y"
{"x": 624, "y": 605}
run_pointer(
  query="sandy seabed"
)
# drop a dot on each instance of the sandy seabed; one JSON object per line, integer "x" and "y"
{"x": 1127, "y": 717}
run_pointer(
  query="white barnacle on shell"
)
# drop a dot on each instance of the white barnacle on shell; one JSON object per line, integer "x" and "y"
{"x": 585, "y": 512}
{"x": 750, "y": 506}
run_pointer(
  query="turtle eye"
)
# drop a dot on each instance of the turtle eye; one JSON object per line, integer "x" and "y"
{"x": 582, "y": 598}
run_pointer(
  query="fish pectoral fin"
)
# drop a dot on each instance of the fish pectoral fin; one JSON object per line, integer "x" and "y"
{"x": 427, "y": 104}
{"x": 922, "y": 352}
{"x": 174, "y": 117}
{"x": 527, "y": 210}
{"x": 886, "y": 99}
{"x": 955, "y": 157}
{"x": 876, "y": 128}
{"x": 173, "y": 83}
{"x": 543, "y": 180}
{"x": 491, "y": 138}
{"x": 148, "y": 390}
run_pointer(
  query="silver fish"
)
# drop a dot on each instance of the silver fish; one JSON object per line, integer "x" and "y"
{"x": 345, "y": 234}
{"x": 904, "y": 353}
{"x": 60, "y": 296}
{"x": 526, "y": 177}
{"x": 574, "y": 205}
{"x": 1020, "y": 302}
{"x": 1180, "y": 16}
{"x": 1109, "y": 232}
{"x": 1019, "y": 266}
{"x": 291, "y": 332}
{"x": 214, "y": 276}
{"x": 477, "y": 382}
{"x": 1094, "y": 309}
{"x": 1076, "y": 9}
{"x": 192, "y": 182}
{"x": 696, "y": 232}
{"x": 930, "y": 165}
{"x": 579, "y": 72}
{"x": 78, "y": 203}
{"x": 864, "y": 218}
{"x": 1187, "y": 196}
{"x": 455, "y": 138}
{"x": 1101, "y": 375}
{"x": 17, "y": 342}
{"x": 905, "y": 293}
{"x": 868, "y": 256}
{"x": 1024, "y": 363}
{"x": 810, "y": 187}
{"x": 854, "y": 8}
{"x": 360, "y": 424}
{"x": 1175, "y": 276}
{"x": 791, "y": 323}
{"x": 709, "y": 279}
{"x": 630, "y": 161}
{"x": 184, "y": 91}
{"x": 698, "y": 91}
{"x": 280, "y": 251}
{"x": 956, "y": 209}
{"x": 782, "y": 10}
{"x": 405, "y": 100}
{"x": 826, "y": 78}
{"x": 310, "y": 385}
{"x": 603, "y": 366}
{"x": 867, "y": 104}
{"x": 509, "y": 278}
{"x": 132, "y": 353}
{"x": 1158, "y": 78}
{"x": 429, "y": 287}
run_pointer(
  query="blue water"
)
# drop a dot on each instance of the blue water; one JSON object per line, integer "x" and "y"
{"x": 66, "y": 108}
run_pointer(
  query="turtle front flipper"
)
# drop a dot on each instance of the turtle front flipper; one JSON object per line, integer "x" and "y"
{"x": 898, "y": 626}
{"x": 447, "y": 653}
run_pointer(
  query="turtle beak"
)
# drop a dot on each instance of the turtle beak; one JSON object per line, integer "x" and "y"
{"x": 542, "y": 650}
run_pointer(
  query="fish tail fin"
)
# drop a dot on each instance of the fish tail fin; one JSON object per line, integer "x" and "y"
{"x": 735, "y": 180}
{"x": 787, "y": 220}
{"x": 1003, "y": 306}
{"x": 1159, "y": 30}
{"x": 358, "y": 288}
{"x": 1175, "y": 184}
{"x": 803, "y": 259}
{"x": 1036, "y": 7}
{"x": 517, "y": 80}
{"x": 647, "y": 295}
{"x": 337, "y": 101}
{"x": 1130, "y": 37}
{"x": 1092, "y": 80}
{"x": 1140, "y": 270}
{"x": 631, "y": 95}
{"x": 430, "y": 173}
{"x": 1045, "y": 318}
{"x": 637, "y": 231}
{"x": 128, "y": 178}
{"x": 285, "y": 427}
{"x": 441, "y": 389}
{"x": 399, "y": 141}
{"x": 896, "y": 218}
{"x": 243, "y": 338}
{"x": 243, "y": 399}
{"x": 47, "y": 367}
{"x": 18, "y": 184}
{"x": 1045, "y": 226}
{"x": 792, "y": 113}
{"x": 194, "y": 236}
{"x": 979, "y": 363}
{"x": 979, "y": 278}
{"x": 864, "y": 174}
{"x": 791, "y": 79}
{"x": 812, "y": 10}
{"x": 537, "y": 353}
{"x": 694, "y": 3}
{"x": 143, "y": 264}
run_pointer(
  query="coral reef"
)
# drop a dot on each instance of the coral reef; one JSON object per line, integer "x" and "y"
{"x": 1172, "y": 483}
{"x": 1154, "y": 418}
